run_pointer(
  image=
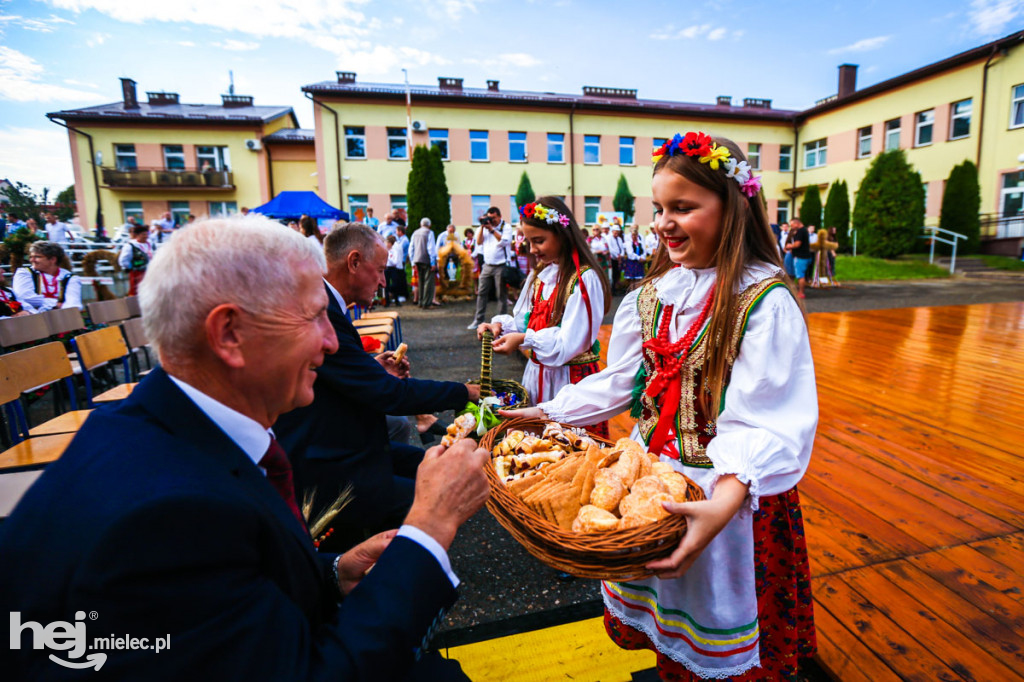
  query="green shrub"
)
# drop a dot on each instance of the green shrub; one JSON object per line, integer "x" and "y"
{"x": 961, "y": 201}
{"x": 427, "y": 190}
{"x": 810, "y": 207}
{"x": 524, "y": 195}
{"x": 623, "y": 199}
{"x": 837, "y": 213}
{"x": 889, "y": 212}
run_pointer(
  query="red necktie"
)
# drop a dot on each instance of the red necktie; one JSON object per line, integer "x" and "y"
{"x": 279, "y": 473}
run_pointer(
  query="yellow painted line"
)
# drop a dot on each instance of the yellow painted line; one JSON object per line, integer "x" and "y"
{"x": 579, "y": 651}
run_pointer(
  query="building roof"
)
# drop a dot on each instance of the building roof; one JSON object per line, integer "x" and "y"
{"x": 613, "y": 102}
{"x": 190, "y": 113}
{"x": 291, "y": 136}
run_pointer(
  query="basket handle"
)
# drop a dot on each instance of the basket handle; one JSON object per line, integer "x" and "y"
{"x": 486, "y": 352}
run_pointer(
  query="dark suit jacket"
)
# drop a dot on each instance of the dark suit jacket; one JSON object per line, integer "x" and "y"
{"x": 345, "y": 423}
{"x": 159, "y": 523}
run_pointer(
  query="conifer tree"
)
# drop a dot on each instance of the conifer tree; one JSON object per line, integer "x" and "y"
{"x": 623, "y": 199}
{"x": 837, "y": 212}
{"x": 810, "y": 207}
{"x": 889, "y": 211}
{"x": 961, "y": 201}
{"x": 524, "y": 194}
{"x": 427, "y": 190}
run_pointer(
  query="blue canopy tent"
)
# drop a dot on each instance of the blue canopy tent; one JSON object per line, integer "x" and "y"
{"x": 293, "y": 205}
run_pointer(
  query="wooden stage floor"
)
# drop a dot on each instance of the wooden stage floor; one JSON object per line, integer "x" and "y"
{"x": 914, "y": 500}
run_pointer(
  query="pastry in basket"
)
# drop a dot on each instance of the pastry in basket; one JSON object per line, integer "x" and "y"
{"x": 509, "y": 444}
{"x": 593, "y": 519}
{"x": 609, "y": 489}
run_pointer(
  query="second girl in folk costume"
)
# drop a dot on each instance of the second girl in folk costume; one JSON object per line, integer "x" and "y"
{"x": 712, "y": 354}
{"x": 558, "y": 315}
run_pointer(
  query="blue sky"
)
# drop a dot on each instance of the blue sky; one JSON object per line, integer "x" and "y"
{"x": 57, "y": 54}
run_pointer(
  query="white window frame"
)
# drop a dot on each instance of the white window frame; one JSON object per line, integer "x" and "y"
{"x": 513, "y": 215}
{"x": 627, "y": 144}
{"x": 955, "y": 116}
{"x": 754, "y": 155}
{"x": 592, "y": 144}
{"x": 818, "y": 150}
{"x": 588, "y": 204}
{"x": 356, "y": 202}
{"x": 179, "y": 214}
{"x": 782, "y": 208}
{"x": 124, "y": 152}
{"x": 864, "y": 135}
{"x": 222, "y": 208}
{"x": 893, "y": 132}
{"x": 479, "y": 203}
{"x": 924, "y": 119}
{"x": 515, "y": 143}
{"x": 483, "y": 136}
{"x": 354, "y": 136}
{"x": 133, "y": 208}
{"x": 219, "y": 158}
{"x": 399, "y": 201}
{"x": 788, "y": 156}
{"x": 168, "y": 155}
{"x": 438, "y": 137}
{"x": 398, "y": 134}
{"x": 1017, "y": 106}
{"x": 556, "y": 141}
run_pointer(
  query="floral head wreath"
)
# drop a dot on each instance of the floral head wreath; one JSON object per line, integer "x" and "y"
{"x": 713, "y": 154}
{"x": 542, "y": 212}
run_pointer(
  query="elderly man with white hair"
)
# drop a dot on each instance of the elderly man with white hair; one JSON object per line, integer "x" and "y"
{"x": 424, "y": 259}
{"x": 171, "y": 518}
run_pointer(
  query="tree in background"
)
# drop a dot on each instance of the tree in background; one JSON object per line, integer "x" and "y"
{"x": 961, "y": 201}
{"x": 66, "y": 204}
{"x": 21, "y": 201}
{"x": 890, "y": 206}
{"x": 427, "y": 190}
{"x": 837, "y": 212}
{"x": 623, "y": 199}
{"x": 524, "y": 195}
{"x": 810, "y": 207}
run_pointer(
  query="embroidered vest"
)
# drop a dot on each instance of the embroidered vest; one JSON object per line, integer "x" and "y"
{"x": 62, "y": 284}
{"x": 586, "y": 357}
{"x": 140, "y": 259}
{"x": 693, "y": 428}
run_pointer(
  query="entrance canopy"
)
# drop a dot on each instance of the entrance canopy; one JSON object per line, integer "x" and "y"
{"x": 293, "y": 205}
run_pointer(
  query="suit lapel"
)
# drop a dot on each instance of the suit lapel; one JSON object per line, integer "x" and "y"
{"x": 339, "y": 320}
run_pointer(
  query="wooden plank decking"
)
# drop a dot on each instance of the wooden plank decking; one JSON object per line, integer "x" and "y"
{"x": 914, "y": 501}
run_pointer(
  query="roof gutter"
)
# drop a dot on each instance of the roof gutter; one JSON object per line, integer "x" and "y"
{"x": 981, "y": 109}
{"x": 572, "y": 160}
{"x": 100, "y": 232}
{"x": 337, "y": 146}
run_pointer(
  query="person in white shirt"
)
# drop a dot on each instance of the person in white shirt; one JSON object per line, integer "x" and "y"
{"x": 124, "y": 232}
{"x": 447, "y": 236}
{"x": 44, "y": 285}
{"x": 423, "y": 252}
{"x": 161, "y": 230}
{"x": 389, "y": 226}
{"x": 651, "y": 242}
{"x": 394, "y": 271}
{"x": 616, "y": 253}
{"x": 56, "y": 231}
{"x": 135, "y": 256}
{"x": 493, "y": 239}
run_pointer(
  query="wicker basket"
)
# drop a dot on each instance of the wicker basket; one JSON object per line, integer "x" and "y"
{"x": 490, "y": 386}
{"x": 611, "y": 555}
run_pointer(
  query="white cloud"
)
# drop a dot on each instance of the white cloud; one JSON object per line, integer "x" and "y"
{"x": 717, "y": 34}
{"x": 47, "y": 25}
{"x": 98, "y": 39}
{"x": 990, "y": 17}
{"x": 20, "y": 81}
{"x": 72, "y": 81}
{"x": 39, "y": 157}
{"x": 186, "y": 43}
{"x": 694, "y": 31}
{"x": 238, "y": 45}
{"x": 862, "y": 45}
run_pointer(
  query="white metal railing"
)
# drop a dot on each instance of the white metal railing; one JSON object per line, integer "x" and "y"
{"x": 853, "y": 232}
{"x": 934, "y": 237}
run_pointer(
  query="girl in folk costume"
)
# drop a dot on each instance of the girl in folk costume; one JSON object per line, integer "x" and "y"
{"x": 135, "y": 256}
{"x": 45, "y": 285}
{"x": 635, "y": 256}
{"x": 10, "y": 306}
{"x": 558, "y": 315}
{"x": 713, "y": 354}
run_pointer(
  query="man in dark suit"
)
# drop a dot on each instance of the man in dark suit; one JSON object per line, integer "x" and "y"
{"x": 342, "y": 437}
{"x": 172, "y": 514}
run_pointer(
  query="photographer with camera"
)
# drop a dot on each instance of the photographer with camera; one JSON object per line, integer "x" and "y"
{"x": 493, "y": 239}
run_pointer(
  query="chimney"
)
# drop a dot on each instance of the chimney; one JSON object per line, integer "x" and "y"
{"x": 611, "y": 93}
{"x": 128, "y": 93}
{"x": 161, "y": 98}
{"x": 450, "y": 83}
{"x": 724, "y": 101}
{"x": 492, "y": 86}
{"x": 346, "y": 77}
{"x": 847, "y": 79}
{"x": 231, "y": 101}
{"x": 757, "y": 103}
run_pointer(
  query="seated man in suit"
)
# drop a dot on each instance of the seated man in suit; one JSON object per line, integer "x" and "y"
{"x": 342, "y": 437}
{"x": 172, "y": 514}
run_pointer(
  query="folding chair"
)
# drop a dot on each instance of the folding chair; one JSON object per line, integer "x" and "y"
{"x": 135, "y": 337}
{"x": 133, "y": 306}
{"x": 63, "y": 320}
{"x": 25, "y": 329}
{"x": 386, "y": 315}
{"x": 96, "y": 349}
{"x": 109, "y": 312}
{"x": 386, "y": 332}
{"x": 27, "y": 370}
{"x": 378, "y": 325}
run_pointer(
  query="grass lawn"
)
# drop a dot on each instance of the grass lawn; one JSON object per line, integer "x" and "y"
{"x": 865, "y": 268}
{"x": 1003, "y": 262}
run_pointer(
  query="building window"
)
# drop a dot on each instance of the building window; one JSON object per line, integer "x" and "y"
{"x": 357, "y": 205}
{"x": 1017, "y": 107}
{"x": 814, "y": 153}
{"x": 592, "y": 149}
{"x": 479, "y": 146}
{"x": 782, "y": 212}
{"x": 174, "y": 157}
{"x": 439, "y": 139}
{"x": 924, "y": 121}
{"x": 785, "y": 158}
{"x": 481, "y": 202}
{"x": 591, "y": 207}
{"x": 398, "y": 144}
{"x": 1012, "y": 203}
{"x": 754, "y": 155}
{"x": 517, "y": 147}
{"x": 132, "y": 209}
{"x": 864, "y": 143}
{"x": 179, "y": 211}
{"x": 513, "y": 214}
{"x": 924, "y": 187}
{"x": 213, "y": 158}
{"x": 398, "y": 202}
{"x": 892, "y": 134}
{"x": 960, "y": 119}
{"x": 627, "y": 151}
{"x": 222, "y": 209}
{"x": 355, "y": 142}
{"x": 124, "y": 157}
{"x": 556, "y": 147}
